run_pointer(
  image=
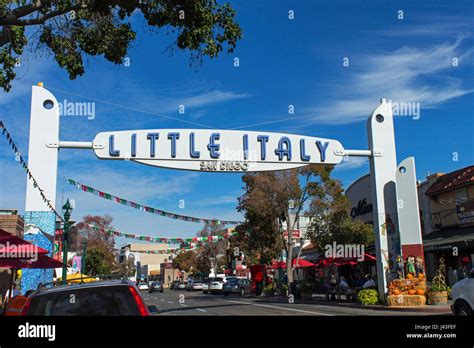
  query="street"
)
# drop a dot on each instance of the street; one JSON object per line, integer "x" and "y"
{"x": 180, "y": 302}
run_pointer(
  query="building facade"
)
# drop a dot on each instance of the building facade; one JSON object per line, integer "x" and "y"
{"x": 449, "y": 222}
{"x": 446, "y": 203}
{"x": 12, "y": 222}
{"x": 146, "y": 261}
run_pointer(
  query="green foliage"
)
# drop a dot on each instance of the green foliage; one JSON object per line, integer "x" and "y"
{"x": 185, "y": 261}
{"x": 9, "y": 53}
{"x": 438, "y": 283}
{"x": 368, "y": 297}
{"x": 269, "y": 288}
{"x": 259, "y": 237}
{"x": 329, "y": 210}
{"x": 72, "y": 29}
{"x": 214, "y": 250}
{"x": 125, "y": 269}
{"x": 100, "y": 255}
{"x": 99, "y": 261}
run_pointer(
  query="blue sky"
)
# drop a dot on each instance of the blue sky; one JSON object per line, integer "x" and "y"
{"x": 282, "y": 62}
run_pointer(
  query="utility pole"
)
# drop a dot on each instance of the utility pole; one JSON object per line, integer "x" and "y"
{"x": 67, "y": 215}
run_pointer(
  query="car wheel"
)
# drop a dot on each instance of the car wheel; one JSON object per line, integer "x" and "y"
{"x": 242, "y": 292}
{"x": 463, "y": 309}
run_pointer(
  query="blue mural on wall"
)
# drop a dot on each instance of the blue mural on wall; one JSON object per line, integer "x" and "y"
{"x": 39, "y": 225}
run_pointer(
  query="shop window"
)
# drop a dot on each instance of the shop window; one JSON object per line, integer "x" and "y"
{"x": 461, "y": 195}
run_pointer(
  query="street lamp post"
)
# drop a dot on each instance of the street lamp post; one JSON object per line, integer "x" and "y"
{"x": 67, "y": 215}
{"x": 83, "y": 258}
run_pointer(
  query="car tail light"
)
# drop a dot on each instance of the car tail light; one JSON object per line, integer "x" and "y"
{"x": 26, "y": 307}
{"x": 142, "y": 308}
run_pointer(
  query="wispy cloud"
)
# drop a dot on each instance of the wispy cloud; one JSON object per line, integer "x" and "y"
{"x": 351, "y": 163}
{"x": 220, "y": 200}
{"x": 440, "y": 27}
{"x": 407, "y": 74}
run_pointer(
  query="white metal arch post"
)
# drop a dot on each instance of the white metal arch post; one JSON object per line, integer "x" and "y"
{"x": 232, "y": 151}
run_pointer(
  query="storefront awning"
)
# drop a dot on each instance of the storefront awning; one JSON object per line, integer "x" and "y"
{"x": 447, "y": 238}
{"x": 312, "y": 256}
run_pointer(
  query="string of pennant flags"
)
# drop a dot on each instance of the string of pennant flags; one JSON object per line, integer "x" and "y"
{"x": 173, "y": 251}
{"x": 105, "y": 195}
{"x": 28, "y": 171}
{"x": 148, "y": 209}
{"x": 115, "y": 233}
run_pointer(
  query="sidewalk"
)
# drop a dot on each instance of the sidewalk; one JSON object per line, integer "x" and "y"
{"x": 435, "y": 309}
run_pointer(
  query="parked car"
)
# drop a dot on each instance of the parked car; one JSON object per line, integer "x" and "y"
{"x": 462, "y": 293}
{"x": 195, "y": 285}
{"x": 142, "y": 286}
{"x": 205, "y": 285}
{"x": 155, "y": 286}
{"x": 216, "y": 284}
{"x": 182, "y": 286}
{"x": 236, "y": 286}
{"x": 174, "y": 284}
{"x": 107, "y": 298}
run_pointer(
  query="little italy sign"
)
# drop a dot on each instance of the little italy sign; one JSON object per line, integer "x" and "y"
{"x": 210, "y": 150}
{"x": 217, "y": 150}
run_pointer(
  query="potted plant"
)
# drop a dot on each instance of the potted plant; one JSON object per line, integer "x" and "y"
{"x": 281, "y": 290}
{"x": 438, "y": 290}
{"x": 368, "y": 297}
{"x": 268, "y": 290}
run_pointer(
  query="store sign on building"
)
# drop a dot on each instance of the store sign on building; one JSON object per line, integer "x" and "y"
{"x": 465, "y": 213}
{"x": 361, "y": 209}
{"x": 294, "y": 234}
{"x": 217, "y": 150}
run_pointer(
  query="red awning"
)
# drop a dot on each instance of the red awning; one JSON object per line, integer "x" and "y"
{"x": 299, "y": 264}
{"x": 340, "y": 261}
{"x": 277, "y": 265}
{"x": 20, "y": 248}
{"x": 42, "y": 262}
{"x": 302, "y": 263}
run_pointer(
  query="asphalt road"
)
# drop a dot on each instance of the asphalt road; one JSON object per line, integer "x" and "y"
{"x": 180, "y": 302}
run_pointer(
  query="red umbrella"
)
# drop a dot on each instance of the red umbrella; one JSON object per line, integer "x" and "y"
{"x": 277, "y": 265}
{"x": 42, "y": 262}
{"x": 340, "y": 261}
{"x": 13, "y": 245}
{"x": 302, "y": 263}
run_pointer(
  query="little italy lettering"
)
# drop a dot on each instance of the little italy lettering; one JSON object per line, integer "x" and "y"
{"x": 217, "y": 150}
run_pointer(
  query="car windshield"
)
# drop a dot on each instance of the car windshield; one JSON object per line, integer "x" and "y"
{"x": 232, "y": 280}
{"x": 217, "y": 279}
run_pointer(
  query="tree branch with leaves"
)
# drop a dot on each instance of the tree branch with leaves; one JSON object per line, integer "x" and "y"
{"x": 71, "y": 30}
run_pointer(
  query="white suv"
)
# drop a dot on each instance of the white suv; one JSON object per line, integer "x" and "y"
{"x": 463, "y": 296}
{"x": 215, "y": 284}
